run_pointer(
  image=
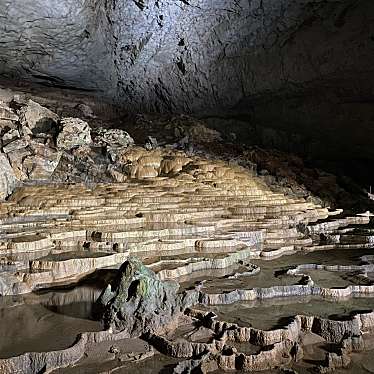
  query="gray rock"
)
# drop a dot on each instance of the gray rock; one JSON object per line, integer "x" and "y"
{"x": 6, "y": 113}
{"x": 8, "y": 179}
{"x": 37, "y": 118}
{"x": 6, "y": 124}
{"x": 43, "y": 161}
{"x": 139, "y": 302}
{"x": 151, "y": 143}
{"x": 86, "y": 110}
{"x": 10, "y": 136}
{"x": 74, "y": 132}
{"x": 113, "y": 137}
{"x": 16, "y": 145}
{"x": 6, "y": 96}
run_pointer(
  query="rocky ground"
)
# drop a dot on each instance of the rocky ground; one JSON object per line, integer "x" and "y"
{"x": 181, "y": 241}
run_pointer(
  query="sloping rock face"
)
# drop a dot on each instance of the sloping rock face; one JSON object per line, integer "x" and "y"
{"x": 267, "y": 63}
{"x": 140, "y": 302}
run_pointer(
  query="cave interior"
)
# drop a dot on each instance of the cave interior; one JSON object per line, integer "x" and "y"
{"x": 186, "y": 186}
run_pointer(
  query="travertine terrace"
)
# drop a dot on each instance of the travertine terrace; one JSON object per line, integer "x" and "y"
{"x": 190, "y": 254}
{"x": 197, "y": 214}
{"x": 186, "y": 186}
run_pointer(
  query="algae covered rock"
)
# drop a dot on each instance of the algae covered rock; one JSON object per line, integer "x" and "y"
{"x": 139, "y": 302}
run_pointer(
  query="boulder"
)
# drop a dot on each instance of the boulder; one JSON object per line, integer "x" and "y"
{"x": 16, "y": 159}
{"x": 74, "y": 132}
{"x": 37, "y": 119}
{"x": 188, "y": 129}
{"x": 6, "y": 125}
{"x": 6, "y": 95}
{"x": 113, "y": 137}
{"x": 138, "y": 302}
{"x": 10, "y": 135}
{"x": 151, "y": 143}
{"x": 43, "y": 161}
{"x": 16, "y": 145}
{"x": 115, "y": 141}
{"x": 86, "y": 110}
{"x": 6, "y": 113}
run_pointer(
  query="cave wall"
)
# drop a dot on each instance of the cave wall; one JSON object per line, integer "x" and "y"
{"x": 295, "y": 74}
{"x": 63, "y": 43}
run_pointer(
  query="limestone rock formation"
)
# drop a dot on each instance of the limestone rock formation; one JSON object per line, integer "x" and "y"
{"x": 74, "y": 132}
{"x": 113, "y": 137}
{"x": 28, "y": 141}
{"x": 6, "y": 114}
{"x": 38, "y": 146}
{"x": 115, "y": 141}
{"x": 139, "y": 302}
{"x": 8, "y": 179}
{"x": 37, "y": 119}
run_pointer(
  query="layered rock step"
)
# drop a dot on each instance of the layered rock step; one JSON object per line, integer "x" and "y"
{"x": 199, "y": 211}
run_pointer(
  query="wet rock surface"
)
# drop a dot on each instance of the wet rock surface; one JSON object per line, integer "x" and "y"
{"x": 140, "y": 303}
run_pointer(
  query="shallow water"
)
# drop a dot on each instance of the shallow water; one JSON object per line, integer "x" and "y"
{"x": 72, "y": 255}
{"x": 52, "y": 319}
{"x": 45, "y": 322}
{"x": 270, "y": 314}
{"x": 158, "y": 364}
{"x": 271, "y": 271}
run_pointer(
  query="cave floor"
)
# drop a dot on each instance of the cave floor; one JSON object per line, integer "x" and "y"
{"x": 283, "y": 281}
{"x": 221, "y": 234}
